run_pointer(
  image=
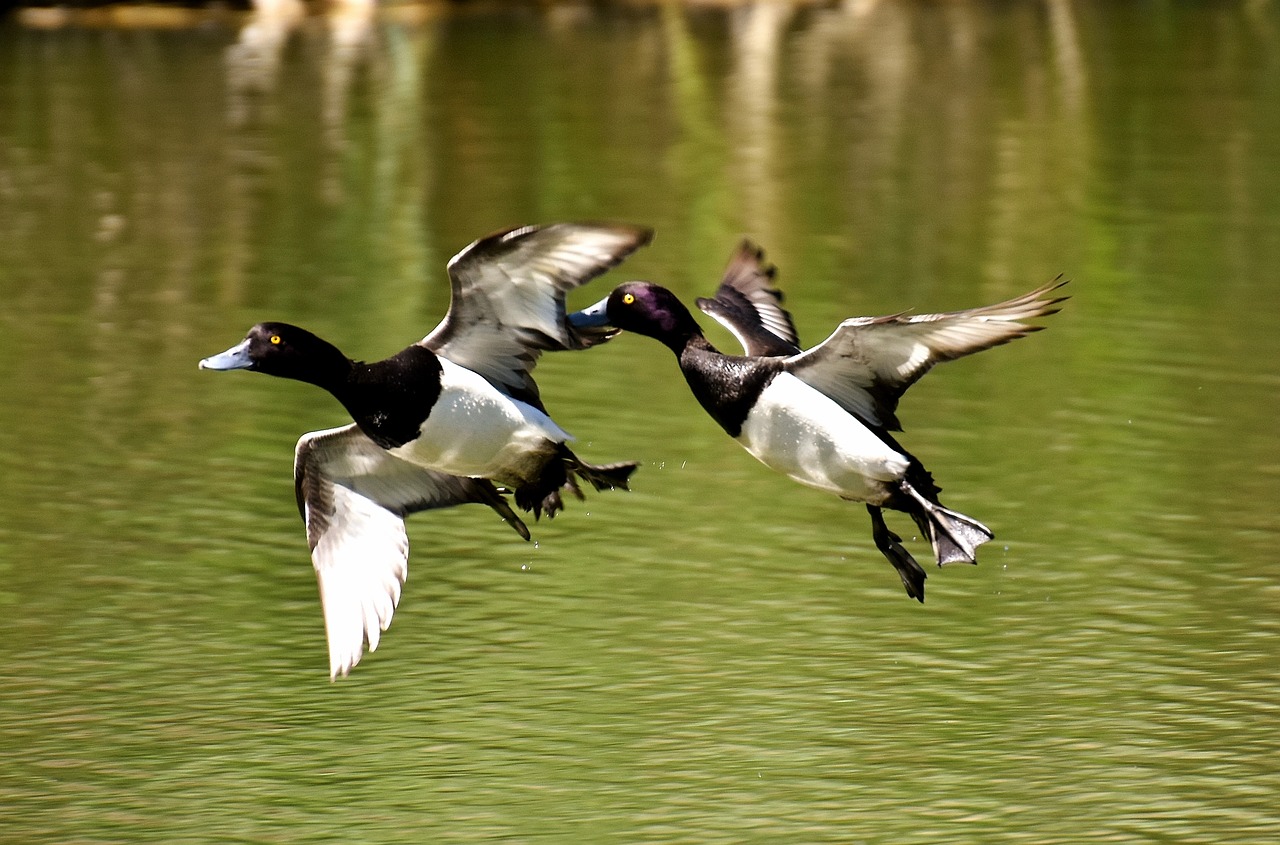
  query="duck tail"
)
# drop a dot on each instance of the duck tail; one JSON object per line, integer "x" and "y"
{"x": 954, "y": 536}
{"x": 544, "y": 495}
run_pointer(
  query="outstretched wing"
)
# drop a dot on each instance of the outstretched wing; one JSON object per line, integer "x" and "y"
{"x": 869, "y": 362}
{"x": 748, "y": 304}
{"x": 508, "y": 294}
{"x": 353, "y": 496}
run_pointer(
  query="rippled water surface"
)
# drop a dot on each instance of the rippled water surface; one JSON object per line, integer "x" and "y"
{"x": 720, "y": 655}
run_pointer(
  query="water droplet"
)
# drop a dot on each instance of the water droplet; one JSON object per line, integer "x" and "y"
{"x": 524, "y": 567}
{"x": 535, "y": 544}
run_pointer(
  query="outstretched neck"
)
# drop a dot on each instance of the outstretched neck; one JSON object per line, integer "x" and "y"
{"x": 686, "y": 337}
{"x": 326, "y": 367}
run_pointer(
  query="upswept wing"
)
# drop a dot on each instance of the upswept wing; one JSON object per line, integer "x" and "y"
{"x": 748, "y": 304}
{"x": 353, "y": 496}
{"x": 508, "y": 293}
{"x": 869, "y": 362}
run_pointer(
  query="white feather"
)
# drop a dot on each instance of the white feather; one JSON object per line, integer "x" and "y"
{"x": 806, "y": 436}
{"x": 476, "y": 430}
{"x": 353, "y": 495}
{"x": 361, "y": 562}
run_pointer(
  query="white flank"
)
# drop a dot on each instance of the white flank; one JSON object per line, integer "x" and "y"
{"x": 802, "y": 434}
{"x": 476, "y": 430}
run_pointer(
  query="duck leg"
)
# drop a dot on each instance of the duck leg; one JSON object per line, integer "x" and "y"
{"x": 543, "y": 494}
{"x": 890, "y": 545}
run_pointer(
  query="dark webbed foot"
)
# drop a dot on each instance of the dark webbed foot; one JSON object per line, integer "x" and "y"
{"x": 537, "y": 500}
{"x": 890, "y": 545}
{"x": 603, "y": 477}
{"x": 561, "y": 475}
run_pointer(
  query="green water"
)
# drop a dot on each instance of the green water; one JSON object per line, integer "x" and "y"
{"x": 720, "y": 656}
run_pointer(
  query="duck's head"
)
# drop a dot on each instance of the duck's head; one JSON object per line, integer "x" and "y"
{"x": 642, "y": 308}
{"x": 280, "y": 349}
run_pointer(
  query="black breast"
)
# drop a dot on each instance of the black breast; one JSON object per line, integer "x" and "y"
{"x": 727, "y": 386}
{"x": 391, "y": 399}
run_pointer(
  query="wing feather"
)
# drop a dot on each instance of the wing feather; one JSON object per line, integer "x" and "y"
{"x": 869, "y": 362}
{"x": 748, "y": 304}
{"x": 353, "y": 496}
{"x": 508, "y": 293}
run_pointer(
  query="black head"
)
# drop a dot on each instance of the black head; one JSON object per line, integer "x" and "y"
{"x": 280, "y": 349}
{"x": 647, "y": 309}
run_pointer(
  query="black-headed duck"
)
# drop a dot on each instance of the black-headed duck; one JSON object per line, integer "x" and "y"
{"x": 440, "y": 422}
{"x": 823, "y": 417}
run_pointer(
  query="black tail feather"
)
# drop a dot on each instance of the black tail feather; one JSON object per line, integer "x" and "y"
{"x": 562, "y": 473}
{"x": 605, "y": 476}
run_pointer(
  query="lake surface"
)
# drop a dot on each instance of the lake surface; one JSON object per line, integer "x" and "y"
{"x": 719, "y": 655}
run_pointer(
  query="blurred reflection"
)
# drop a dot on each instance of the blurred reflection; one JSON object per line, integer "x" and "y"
{"x": 350, "y": 28}
{"x": 754, "y": 83}
{"x": 252, "y": 75}
{"x": 1066, "y": 44}
{"x": 695, "y": 159}
{"x": 253, "y": 62}
{"x": 855, "y": 65}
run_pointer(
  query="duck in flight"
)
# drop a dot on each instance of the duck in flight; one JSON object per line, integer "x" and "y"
{"x": 441, "y": 422}
{"x": 823, "y": 417}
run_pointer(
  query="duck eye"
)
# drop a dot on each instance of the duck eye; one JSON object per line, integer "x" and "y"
{"x": 627, "y": 299}
{"x": 275, "y": 340}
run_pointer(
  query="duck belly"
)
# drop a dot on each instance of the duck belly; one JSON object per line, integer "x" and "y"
{"x": 806, "y": 436}
{"x": 476, "y": 430}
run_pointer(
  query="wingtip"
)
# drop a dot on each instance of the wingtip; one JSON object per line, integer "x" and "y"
{"x": 1053, "y": 284}
{"x": 640, "y": 235}
{"x": 751, "y": 253}
{"x": 644, "y": 234}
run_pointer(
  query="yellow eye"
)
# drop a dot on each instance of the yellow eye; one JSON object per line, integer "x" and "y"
{"x": 627, "y": 299}
{"x": 275, "y": 339}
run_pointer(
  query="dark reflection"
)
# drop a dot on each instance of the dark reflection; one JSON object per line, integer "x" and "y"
{"x": 717, "y": 656}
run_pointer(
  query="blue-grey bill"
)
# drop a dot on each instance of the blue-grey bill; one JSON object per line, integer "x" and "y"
{"x": 595, "y": 317}
{"x": 235, "y": 358}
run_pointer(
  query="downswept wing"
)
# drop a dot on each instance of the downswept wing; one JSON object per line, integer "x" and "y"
{"x": 353, "y": 496}
{"x": 748, "y": 304}
{"x": 508, "y": 294}
{"x": 869, "y": 362}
